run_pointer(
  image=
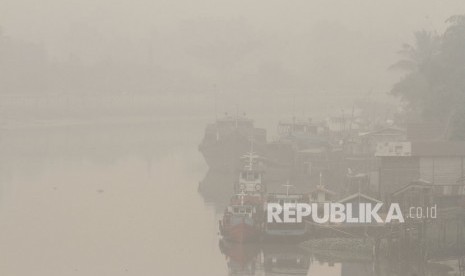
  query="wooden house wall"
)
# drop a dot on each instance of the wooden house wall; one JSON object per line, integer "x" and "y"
{"x": 442, "y": 171}
{"x": 397, "y": 172}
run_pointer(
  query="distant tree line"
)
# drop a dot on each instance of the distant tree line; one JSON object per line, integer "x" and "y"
{"x": 433, "y": 87}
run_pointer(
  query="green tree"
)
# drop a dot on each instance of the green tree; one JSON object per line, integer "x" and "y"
{"x": 453, "y": 57}
{"x": 434, "y": 83}
{"x": 419, "y": 61}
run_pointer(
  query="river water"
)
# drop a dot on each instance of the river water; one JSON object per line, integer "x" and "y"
{"x": 121, "y": 198}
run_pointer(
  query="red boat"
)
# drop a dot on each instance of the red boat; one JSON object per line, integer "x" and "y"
{"x": 242, "y": 221}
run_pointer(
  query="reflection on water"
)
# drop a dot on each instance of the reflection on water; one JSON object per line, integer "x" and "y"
{"x": 278, "y": 258}
{"x": 281, "y": 259}
{"x": 216, "y": 189}
{"x": 285, "y": 259}
{"x": 241, "y": 258}
{"x": 132, "y": 199}
{"x": 105, "y": 199}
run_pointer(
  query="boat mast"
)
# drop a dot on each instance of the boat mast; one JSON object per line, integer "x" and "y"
{"x": 288, "y": 186}
{"x": 250, "y": 156}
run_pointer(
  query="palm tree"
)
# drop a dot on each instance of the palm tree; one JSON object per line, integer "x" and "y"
{"x": 426, "y": 46}
{"x": 419, "y": 63}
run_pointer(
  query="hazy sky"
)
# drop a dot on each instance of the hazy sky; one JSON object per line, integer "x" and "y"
{"x": 321, "y": 45}
{"x": 49, "y": 19}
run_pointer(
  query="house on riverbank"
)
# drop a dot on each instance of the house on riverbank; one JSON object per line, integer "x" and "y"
{"x": 442, "y": 163}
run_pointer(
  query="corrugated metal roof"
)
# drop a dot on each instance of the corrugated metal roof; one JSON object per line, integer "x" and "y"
{"x": 384, "y": 131}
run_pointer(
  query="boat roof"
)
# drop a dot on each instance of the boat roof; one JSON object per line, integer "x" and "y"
{"x": 284, "y": 195}
{"x": 350, "y": 197}
{"x": 299, "y": 122}
{"x": 392, "y": 130}
{"x": 420, "y": 183}
{"x": 245, "y": 205}
{"x": 254, "y": 168}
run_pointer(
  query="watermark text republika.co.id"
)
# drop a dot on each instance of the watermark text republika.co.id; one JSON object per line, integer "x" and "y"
{"x": 345, "y": 213}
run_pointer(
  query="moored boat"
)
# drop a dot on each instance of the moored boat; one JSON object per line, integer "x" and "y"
{"x": 250, "y": 181}
{"x": 292, "y": 232}
{"x": 242, "y": 220}
{"x": 226, "y": 139}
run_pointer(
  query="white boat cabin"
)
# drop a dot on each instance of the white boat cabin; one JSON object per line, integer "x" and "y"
{"x": 242, "y": 210}
{"x": 250, "y": 181}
